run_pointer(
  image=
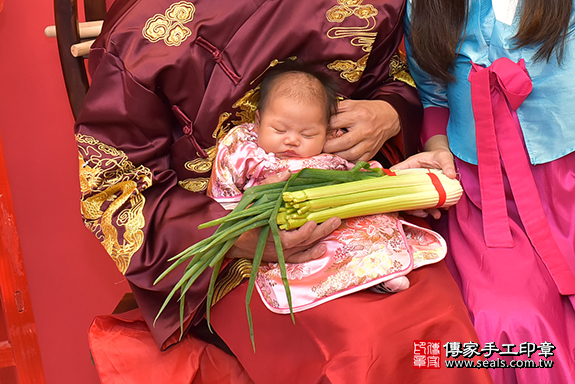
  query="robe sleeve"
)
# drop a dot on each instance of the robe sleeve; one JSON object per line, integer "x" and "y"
{"x": 131, "y": 199}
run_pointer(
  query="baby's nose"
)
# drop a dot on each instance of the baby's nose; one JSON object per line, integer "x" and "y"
{"x": 292, "y": 139}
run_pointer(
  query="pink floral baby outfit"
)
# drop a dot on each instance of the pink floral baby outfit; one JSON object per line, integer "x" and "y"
{"x": 363, "y": 252}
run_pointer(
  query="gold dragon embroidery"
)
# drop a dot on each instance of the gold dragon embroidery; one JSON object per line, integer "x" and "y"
{"x": 111, "y": 186}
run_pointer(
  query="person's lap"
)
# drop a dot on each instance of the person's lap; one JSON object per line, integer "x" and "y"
{"x": 364, "y": 337}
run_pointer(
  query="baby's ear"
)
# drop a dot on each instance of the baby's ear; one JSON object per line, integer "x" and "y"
{"x": 257, "y": 122}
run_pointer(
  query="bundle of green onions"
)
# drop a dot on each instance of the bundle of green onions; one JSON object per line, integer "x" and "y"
{"x": 311, "y": 194}
{"x": 401, "y": 190}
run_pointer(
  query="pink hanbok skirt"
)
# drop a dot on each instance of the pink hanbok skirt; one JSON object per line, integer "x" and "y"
{"x": 510, "y": 293}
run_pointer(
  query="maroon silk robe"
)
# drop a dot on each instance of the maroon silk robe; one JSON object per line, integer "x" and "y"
{"x": 167, "y": 80}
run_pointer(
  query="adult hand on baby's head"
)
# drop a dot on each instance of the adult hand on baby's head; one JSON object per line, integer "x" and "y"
{"x": 369, "y": 124}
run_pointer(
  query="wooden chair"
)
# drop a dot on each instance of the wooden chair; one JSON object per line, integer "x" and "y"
{"x": 74, "y": 41}
{"x": 20, "y": 360}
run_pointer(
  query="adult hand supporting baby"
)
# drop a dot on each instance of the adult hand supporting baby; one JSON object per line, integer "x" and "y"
{"x": 436, "y": 155}
{"x": 369, "y": 124}
{"x": 299, "y": 245}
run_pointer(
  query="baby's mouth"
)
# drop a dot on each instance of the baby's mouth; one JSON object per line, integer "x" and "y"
{"x": 288, "y": 153}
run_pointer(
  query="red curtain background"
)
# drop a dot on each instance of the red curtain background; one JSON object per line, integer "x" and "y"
{"x": 70, "y": 277}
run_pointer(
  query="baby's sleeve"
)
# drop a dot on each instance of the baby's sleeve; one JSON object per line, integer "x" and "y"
{"x": 239, "y": 164}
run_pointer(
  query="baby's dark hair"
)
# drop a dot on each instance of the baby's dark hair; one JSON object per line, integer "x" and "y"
{"x": 300, "y": 86}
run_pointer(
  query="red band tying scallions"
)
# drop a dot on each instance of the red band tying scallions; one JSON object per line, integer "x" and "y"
{"x": 439, "y": 188}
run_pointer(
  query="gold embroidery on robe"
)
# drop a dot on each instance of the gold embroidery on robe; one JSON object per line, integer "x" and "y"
{"x": 398, "y": 69}
{"x": 240, "y": 270}
{"x": 363, "y": 37}
{"x": 248, "y": 105}
{"x": 272, "y": 64}
{"x": 170, "y": 26}
{"x": 200, "y": 165}
{"x": 111, "y": 202}
{"x": 221, "y": 130}
{"x": 350, "y": 70}
{"x": 197, "y": 184}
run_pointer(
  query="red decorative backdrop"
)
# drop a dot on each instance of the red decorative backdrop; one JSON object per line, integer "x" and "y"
{"x": 70, "y": 276}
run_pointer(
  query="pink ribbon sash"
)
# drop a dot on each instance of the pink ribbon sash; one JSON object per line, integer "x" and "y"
{"x": 496, "y": 91}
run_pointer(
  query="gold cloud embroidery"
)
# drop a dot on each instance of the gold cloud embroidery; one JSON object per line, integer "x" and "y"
{"x": 202, "y": 165}
{"x": 170, "y": 27}
{"x": 198, "y": 184}
{"x": 350, "y": 70}
{"x": 112, "y": 203}
{"x": 362, "y": 37}
{"x": 199, "y": 165}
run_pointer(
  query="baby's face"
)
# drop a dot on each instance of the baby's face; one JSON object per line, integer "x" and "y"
{"x": 291, "y": 128}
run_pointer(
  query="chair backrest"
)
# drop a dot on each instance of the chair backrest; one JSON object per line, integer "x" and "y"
{"x": 20, "y": 360}
{"x": 68, "y": 35}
